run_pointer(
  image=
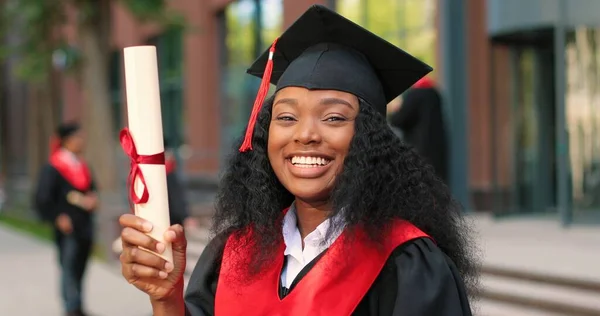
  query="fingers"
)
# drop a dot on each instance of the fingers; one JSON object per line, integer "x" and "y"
{"x": 133, "y": 272}
{"x": 176, "y": 236}
{"x": 136, "y": 222}
{"x": 135, "y": 238}
{"x": 141, "y": 258}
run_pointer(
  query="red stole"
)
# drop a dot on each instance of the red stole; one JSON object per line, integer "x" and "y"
{"x": 78, "y": 176}
{"x": 334, "y": 286}
{"x": 170, "y": 165}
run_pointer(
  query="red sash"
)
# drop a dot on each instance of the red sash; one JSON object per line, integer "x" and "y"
{"x": 334, "y": 286}
{"x": 78, "y": 176}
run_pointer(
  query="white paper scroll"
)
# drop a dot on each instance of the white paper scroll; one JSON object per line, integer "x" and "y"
{"x": 145, "y": 126}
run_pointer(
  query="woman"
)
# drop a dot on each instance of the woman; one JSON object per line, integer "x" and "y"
{"x": 66, "y": 197}
{"x": 323, "y": 211}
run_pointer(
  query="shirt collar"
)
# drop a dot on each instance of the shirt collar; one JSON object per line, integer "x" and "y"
{"x": 293, "y": 239}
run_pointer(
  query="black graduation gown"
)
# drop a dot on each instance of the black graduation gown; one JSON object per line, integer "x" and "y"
{"x": 51, "y": 200}
{"x": 421, "y": 121}
{"x": 417, "y": 280}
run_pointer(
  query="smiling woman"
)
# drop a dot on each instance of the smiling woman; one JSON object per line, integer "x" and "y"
{"x": 323, "y": 210}
{"x": 310, "y": 133}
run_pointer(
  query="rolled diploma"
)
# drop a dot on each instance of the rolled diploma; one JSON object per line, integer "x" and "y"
{"x": 145, "y": 126}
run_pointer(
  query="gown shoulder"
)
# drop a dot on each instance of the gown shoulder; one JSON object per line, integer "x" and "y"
{"x": 417, "y": 279}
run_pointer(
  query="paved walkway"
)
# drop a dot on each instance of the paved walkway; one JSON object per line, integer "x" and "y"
{"x": 540, "y": 245}
{"x": 29, "y": 282}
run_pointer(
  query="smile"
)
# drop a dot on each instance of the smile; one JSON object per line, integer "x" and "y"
{"x": 309, "y": 162}
{"x": 308, "y": 167}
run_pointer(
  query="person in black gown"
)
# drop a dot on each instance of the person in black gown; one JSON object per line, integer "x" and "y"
{"x": 421, "y": 120}
{"x": 66, "y": 197}
{"x": 323, "y": 210}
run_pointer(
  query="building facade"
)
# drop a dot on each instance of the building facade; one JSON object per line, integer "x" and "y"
{"x": 532, "y": 107}
{"x": 520, "y": 82}
{"x": 205, "y": 94}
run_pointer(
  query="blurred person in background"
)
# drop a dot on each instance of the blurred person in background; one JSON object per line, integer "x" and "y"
{"x": 420, "y": 118}
{"x": 178, "y": 204}
{"x": 66, "y": 197}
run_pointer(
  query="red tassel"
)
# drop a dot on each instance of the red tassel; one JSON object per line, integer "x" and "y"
{"x": 260, "y": 99}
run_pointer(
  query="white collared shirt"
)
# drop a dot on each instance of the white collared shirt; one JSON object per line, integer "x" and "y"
{"x": 297, "y": 258}
{"x": 70, "y": 157}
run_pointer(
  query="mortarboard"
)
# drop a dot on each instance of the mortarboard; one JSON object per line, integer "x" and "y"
{"x": 65, "y": 130}
{"x": 323, "y": 50}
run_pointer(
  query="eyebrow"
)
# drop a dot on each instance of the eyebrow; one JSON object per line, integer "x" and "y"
{"x": 330, "y": 101}
{"x": 324, "y": 101}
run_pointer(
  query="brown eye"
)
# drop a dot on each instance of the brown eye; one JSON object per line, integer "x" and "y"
{"x": 335, "y": 119}
{"x": 285, "y": 118}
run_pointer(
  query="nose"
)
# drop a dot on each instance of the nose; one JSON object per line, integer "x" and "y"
{"x": 307, "y": 132}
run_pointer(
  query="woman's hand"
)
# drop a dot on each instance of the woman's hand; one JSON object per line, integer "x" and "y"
{"x": 161, "y": 280}
{"x": 64, "y": 224}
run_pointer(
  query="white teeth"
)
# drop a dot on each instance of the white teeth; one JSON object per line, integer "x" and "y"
{"x": 308, "y": 162}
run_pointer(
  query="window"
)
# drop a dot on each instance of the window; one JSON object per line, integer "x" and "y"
{"x": 250, "y": 26}
{"x": 169, "y": 48}
{"x": 409, "y": 24}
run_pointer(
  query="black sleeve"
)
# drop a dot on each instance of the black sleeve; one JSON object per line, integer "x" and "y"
{"x": 46, "y": 194}
{"x": 407, "y": 116}
{"x": 177, "y": 200}
{"x": 202, "y": 287}
{"x": 418, "y": 279}
{"x": 93, "y": 185}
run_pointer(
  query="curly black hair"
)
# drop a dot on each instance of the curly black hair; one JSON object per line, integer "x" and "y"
{"x": 382, "y": 179}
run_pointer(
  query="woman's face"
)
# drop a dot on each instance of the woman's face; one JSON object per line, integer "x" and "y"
{"x": 309, "y": 138}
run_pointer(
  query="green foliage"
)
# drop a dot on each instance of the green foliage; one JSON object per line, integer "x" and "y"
{"x": 406, "y": 23}
{"x": 155, "y": 11}
{"x": 36, "y": 25}
{"x": 31, "y": 23}
{"x": 31, "y": 227}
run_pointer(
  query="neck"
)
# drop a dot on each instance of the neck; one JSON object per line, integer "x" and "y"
{"x": 311, "y": 215}
{"x": 75, "y": 153}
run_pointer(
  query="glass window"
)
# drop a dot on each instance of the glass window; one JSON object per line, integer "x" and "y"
{"x": 409, "y": 24}
{"x": 583, "y": 118}
{"x": 169, "y": 46}
{"x": 250, "y": 27}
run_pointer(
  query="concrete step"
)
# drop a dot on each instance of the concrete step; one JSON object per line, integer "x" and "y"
{"x": 486, "y": 307}
{"x": 542, "y": 296}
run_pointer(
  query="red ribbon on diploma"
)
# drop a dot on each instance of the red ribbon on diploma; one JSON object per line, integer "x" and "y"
{"x": 135, "y": 172}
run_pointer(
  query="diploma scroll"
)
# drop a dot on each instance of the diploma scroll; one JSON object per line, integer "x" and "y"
{"x": 145, "y": 134}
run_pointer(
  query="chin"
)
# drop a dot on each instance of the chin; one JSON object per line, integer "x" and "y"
{"x": 308, "y": 193}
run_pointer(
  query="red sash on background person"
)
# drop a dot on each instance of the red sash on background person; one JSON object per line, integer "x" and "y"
{"x": 78, "y": 175}
{"x": 170, "y": 165}
{"x": 334, "y": 286}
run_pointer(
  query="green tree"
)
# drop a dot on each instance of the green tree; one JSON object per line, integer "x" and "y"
{"x": 39, "y": 28}
{"x": 408, "y": 24}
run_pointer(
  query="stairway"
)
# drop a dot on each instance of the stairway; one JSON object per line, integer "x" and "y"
{"x": 197, "y": 241}
{"x": 512, "y": 292}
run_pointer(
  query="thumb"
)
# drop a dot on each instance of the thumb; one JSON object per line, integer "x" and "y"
{"x": 176, "y": 236}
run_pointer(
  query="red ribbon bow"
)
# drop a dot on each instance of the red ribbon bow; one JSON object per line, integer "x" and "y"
{"x": 128, "y": 146}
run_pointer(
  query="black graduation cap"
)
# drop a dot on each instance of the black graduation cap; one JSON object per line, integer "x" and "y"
{"x": 65, "y": 130}
{"x": 323, "y": 50}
